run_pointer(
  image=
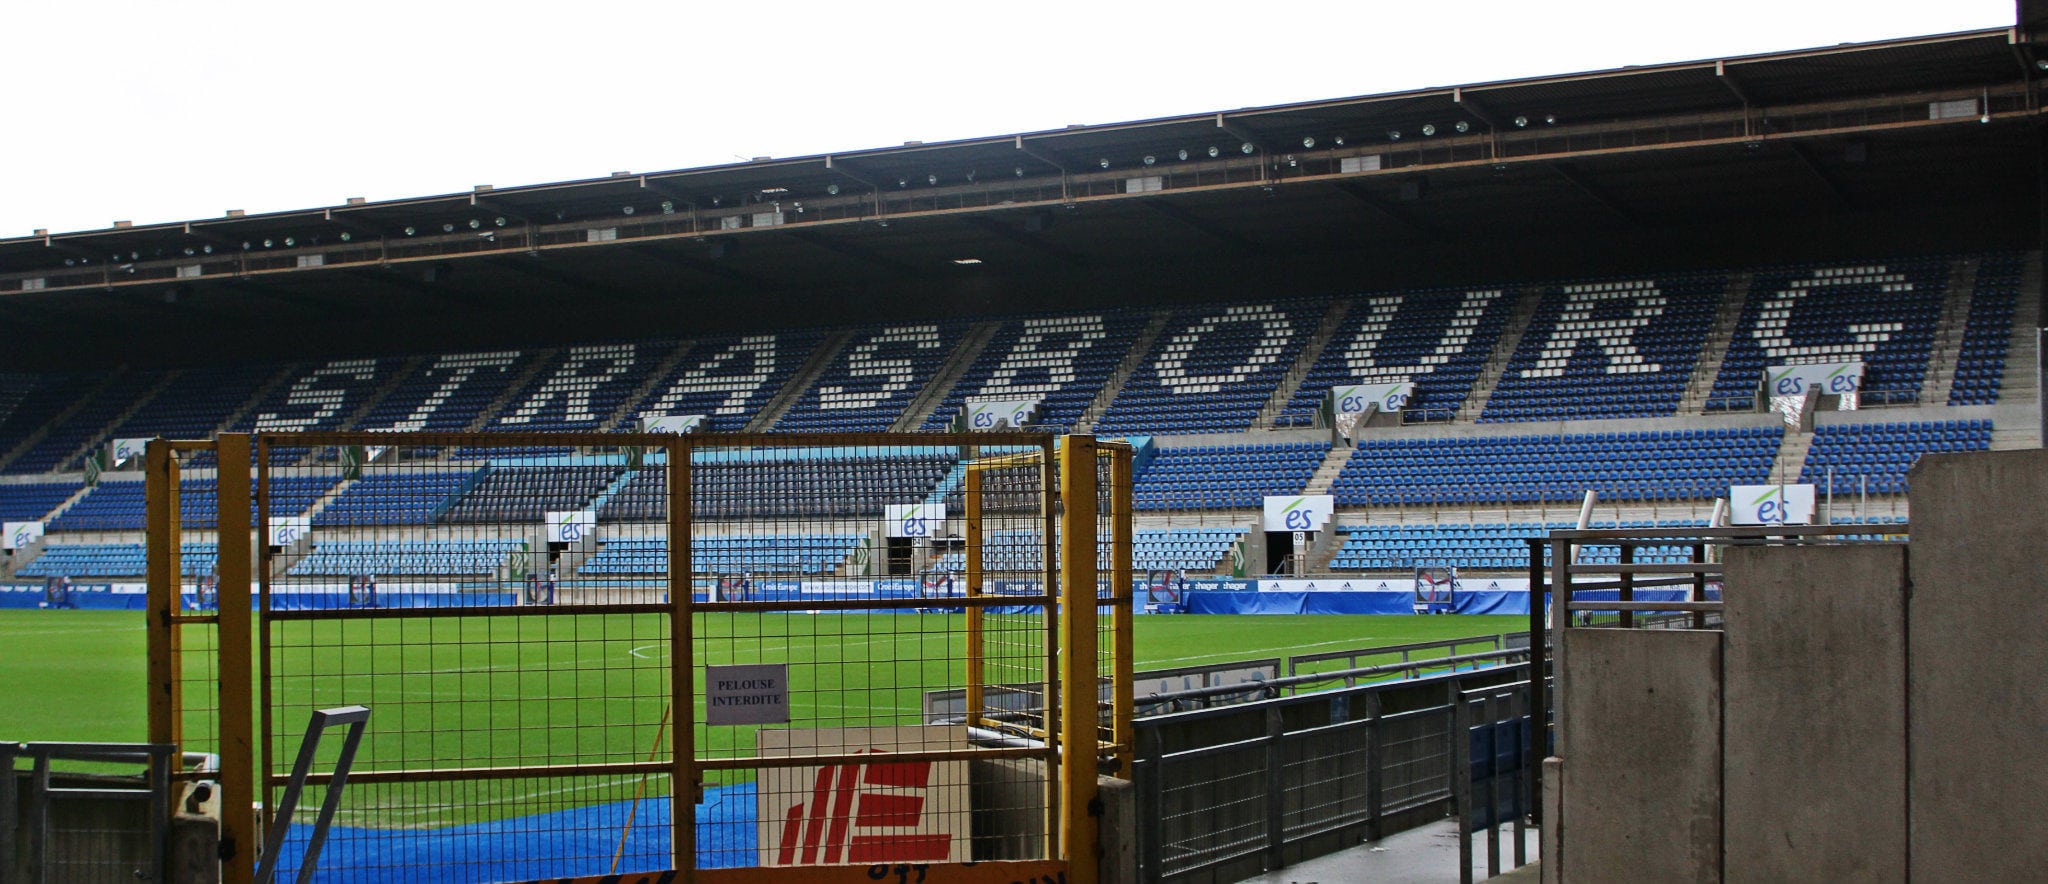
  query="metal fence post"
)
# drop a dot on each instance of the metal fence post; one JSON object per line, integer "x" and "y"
{"x": 1461, "y": 780}
{"x": 1276, "y": 788}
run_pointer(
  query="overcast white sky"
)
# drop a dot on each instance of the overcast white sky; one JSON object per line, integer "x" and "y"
{"x": 163, "y": 111}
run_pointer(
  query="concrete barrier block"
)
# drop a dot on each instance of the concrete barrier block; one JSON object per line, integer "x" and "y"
{"x": 1642, "y": 755}
{"x": 1978, "y": 713}
{"x": 1814, "y": 681}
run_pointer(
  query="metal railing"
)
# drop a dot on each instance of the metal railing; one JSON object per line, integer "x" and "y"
{"x": 1234, "y": 790}
{"x": 75, "y": 827}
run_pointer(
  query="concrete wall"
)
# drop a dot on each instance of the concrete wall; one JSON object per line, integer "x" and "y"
{"x": 1641, "y": 732}
{"x": 1978, "y": 706}
{"x": 1814, "y": 690}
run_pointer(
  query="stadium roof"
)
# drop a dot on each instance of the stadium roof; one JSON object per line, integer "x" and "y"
{"x": 1351, "y": 192}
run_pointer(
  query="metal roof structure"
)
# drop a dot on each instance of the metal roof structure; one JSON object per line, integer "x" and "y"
{"x": 1449, "y": 185}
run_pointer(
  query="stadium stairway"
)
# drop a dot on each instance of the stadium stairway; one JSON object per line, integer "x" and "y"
{"x": 36, "y": 437}
{"x": 101, "y": 435}
{"x": 1719, "y": 336}
{"x": 1140, "y": 348}
{"x": 1523, "y": 316}
{"x": 806, "y": 375}
{"x": 283, "y": 375}
{"x": 627, "y": 415}
{"x": 1311, "y": 350}
{"x": 1332, "y": 466}
{"x": 1948, "y": 333}
{"x": 536, "y": 362}
{"x": 1791, "y": 457}
{"x": 949, "y": 373}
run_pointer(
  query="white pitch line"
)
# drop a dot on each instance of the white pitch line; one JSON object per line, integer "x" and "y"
{"x": 1255, "y": 651}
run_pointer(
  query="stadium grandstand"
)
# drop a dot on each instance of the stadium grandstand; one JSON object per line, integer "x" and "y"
{"x": 1589, "y": 281}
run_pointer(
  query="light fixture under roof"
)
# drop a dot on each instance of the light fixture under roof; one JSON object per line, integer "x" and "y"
{"x": 1308, "y": 142}
{"x": 289, "y": 242}
{"x": 1521, "y": 122}
{"x": 1428, "y": 129}
{"x": 1104, "y": 162}
{"x": 626, "y": 209}
{"x": 1339, "y": 140}
{"x": 1246, "y": 148}
{"x": 447, "y": 228}
{"x": 1463, "y": 127}
{"x": 475, "y": 223}
{"x": 500, "y": 220}
{"x": 1394, "y": 135}
{"x": 932, "y": 179}
{"x": 1215, "y": 151}
{"x": 346, "y": 236}
{"x": 1019, "y": 170}
{"x": 1150, "y": 159}
{"x": 1183, "y": 154}
{"x": 966, "y": 261}
{"x": 832, "y": 189}
{"x": 408, "y": 231}
{"x": 1549, "y": 119}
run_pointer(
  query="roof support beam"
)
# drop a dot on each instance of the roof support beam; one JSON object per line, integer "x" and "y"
{"x": 529, "y": 266}
{"x": 1231, "y": 239}
{"x": 1393, "y": 212}
{"x": 1034, "y": 243}
{"x": 1594, "y": 191}
{"x": 1834, "y": 188}
{"x": 675, "y": 257}
{"x": 864, "y": 256}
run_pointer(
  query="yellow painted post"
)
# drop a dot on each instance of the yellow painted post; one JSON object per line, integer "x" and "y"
{"x": 238, "y": 793}
{"x": 1121, "y": 550}
{"x": 682, "y": 665}
{"x": 1079, "y": 717}
{"x": 165, "y": 586}
{"x": 976, "y": 694}
{"x": 1049, "y": 579}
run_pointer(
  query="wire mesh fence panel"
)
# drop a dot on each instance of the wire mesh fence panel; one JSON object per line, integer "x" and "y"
{"x": 519, "y": 707}
{"x": 830, "y": 650}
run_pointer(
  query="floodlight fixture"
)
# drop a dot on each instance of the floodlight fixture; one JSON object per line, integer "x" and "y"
{"x": 1521, "y": 122}
{"x": 932, "y": 179}
{"x": 966, "y": 261}
{"x": 409, "y": 230}
{"x": 1150, "y": 159}
{"x": 266, "y": 244}
{"x": 1463, "y": 127}
{"x": 289, "y": 242}
{"x": 902, "y": 182}
{"x": 1214, "y": 152}
{"x": 1394, "y": 135}
{"x": 207, "y": 249}
{"x": 1246, "y": 148}
{"x": 346, "y": 236}
{"x": 500, "y": 220}
{"x": 1549, "y": 119}
{"x": 1339, "y": 140}
{"x": 626, "y": 209}
{"x": 1428, "y": 129}
{"x": 475, "y": 223}
{"x": 1308, "y": 142}
{"x": 1019, "y": 171}
{"x": 1104, "y": 162}
{"x": 189, "y": 251}
{"x": 832, "y": 189}
{"x": 447, "y": 228}
{"x": 1182, "y": 154}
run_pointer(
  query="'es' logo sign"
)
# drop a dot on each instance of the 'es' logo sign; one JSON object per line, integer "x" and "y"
{"x": 863, "y": 814}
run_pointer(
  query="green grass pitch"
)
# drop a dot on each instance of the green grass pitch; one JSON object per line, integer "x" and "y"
{"x": 497, "y": 691}
{"x": 78, "y": 675}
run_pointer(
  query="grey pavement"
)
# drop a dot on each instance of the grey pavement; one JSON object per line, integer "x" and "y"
{"x": 1428, "y": 855}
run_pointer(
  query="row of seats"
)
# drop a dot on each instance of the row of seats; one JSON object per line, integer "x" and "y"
{"x": 422, "y": 558}
{"x": 1608, "y": 348}
{"x": 114, "y": 560}
{"x": 1063, "y": 361}
{"x": 1232, "y": 476}
{"x": 1653, "y": 465}
{"x": 120, "y": 506}
{"x": 750, "y": 554}
{"x": 1481, "y": 547}
{"x": 1875, "y": 457}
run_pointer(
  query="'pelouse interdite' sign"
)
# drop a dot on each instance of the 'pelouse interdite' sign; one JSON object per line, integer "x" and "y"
{"x": 748, "y": 694}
